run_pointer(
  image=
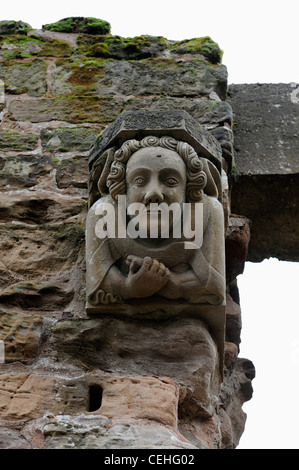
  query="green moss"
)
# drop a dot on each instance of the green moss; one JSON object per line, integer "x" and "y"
{"x": 116, "y": 47}
{"x": 17, "y": 46}
{"x": 15, "y": 141}
{"x": 74, "y": 233}
{"x": 55, "y": 48}
{"x": 69, "y": 139}
{"x": 205, "y": 46}
{"x": 27, "y": 76}
{"x": 99, "y": 50}
{"x": 78, "y": 24}
{"x": 14, "y": 27}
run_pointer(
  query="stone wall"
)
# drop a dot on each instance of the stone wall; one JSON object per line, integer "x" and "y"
{"x": 266, "y": 130}
{"x": 69, "y": 380}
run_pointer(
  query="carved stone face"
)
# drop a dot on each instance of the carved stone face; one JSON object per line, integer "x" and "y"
{"x": 156, "y": 175}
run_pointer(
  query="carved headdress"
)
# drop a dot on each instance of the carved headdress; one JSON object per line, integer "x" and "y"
{"x": 198, "y": 149}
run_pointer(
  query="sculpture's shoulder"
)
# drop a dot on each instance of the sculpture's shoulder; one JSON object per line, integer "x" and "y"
{"x": 213, "y": 208}
{"x": 97, "y": 208}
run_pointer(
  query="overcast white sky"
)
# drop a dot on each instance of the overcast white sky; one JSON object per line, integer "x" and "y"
{"x": 260, "y": 40}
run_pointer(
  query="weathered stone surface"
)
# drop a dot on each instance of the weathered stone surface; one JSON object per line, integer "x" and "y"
{"x": 35, "y": 295}
{"x": 230, "y": 354}
{"x": 93, "y": 432}
{"x": 73, "y": 172}
{"x": 141, "y": 398}
{"x": 11, "y": 438}
{"x": 224, "y": 134}
{"x": 23, "y": 171}
{"x": 58, "y": 38}
{"x": 180, "y": 349}
{"x": 38, "y": 207}
{"x": 134, "y": 78}
{"x": 24, "y": 77}
{"x": 266, "y": 118}
{"x": 207, "y": 112}
{"x": 236, "y": 390}
{"x": 236, "y": 246}
{"x": 21, "y": 334}
{"x": 266, "y": 154}
{"x": 233, "y": 321}
{"x": 26, "y": 396}
{"x": 48, "y": 250}
{"x": 68, "y": 139}
{"x": 70, "y": 109}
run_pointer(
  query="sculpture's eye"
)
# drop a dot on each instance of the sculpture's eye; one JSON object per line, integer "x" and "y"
{"x": 171, "y": 181}
{"x": 139, "y": 181}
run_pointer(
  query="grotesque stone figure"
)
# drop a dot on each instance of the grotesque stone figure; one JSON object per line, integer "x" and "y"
{"x": 126, "y": 266}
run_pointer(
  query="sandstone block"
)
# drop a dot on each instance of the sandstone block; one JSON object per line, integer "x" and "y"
{"x": 68, "y": 139}
{"x": 50, "y": 250}
{"x": 36, "y": 295}
{"x": 25, "y": 77}
{"x": 208, "y": 113}
{"x": 70, "y": 109}
{"x": 73, "y": 172}
{"x": 23, "y": 171}
{"x": 21, "y": 334}
{"x": 34, "y": 395}
{"x": 39, "y": 207}
{"x": 141, "y": 398}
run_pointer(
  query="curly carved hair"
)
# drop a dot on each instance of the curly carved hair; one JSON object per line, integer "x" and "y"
{"x": 196, "y": 177}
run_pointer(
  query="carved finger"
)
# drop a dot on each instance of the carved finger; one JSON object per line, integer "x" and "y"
{"x": 164, "y": 271}
{"x": 147, "y": 262}
{"x": 134, "y": 262}
{"x": 155, "y": 265}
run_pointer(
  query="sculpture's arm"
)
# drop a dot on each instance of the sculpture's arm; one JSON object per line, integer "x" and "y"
{"x": 181, "y": 285}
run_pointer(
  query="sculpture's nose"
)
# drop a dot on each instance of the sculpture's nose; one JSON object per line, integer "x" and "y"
{"x": 153, "y": 195}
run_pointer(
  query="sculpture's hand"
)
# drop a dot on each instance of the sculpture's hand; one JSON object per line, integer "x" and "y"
{"x": 146, "y": 277}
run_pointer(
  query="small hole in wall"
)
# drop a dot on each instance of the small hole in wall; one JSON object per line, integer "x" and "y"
{"x": 95, "y": 394}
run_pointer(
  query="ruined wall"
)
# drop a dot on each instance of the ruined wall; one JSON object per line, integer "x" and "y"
{"x": 60, "y": 90}
{"x": 266, "y": 130}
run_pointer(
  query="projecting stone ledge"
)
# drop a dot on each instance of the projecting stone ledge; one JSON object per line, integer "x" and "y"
{"x": 175, "y": 123}
{"x": 265, "y": 187}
